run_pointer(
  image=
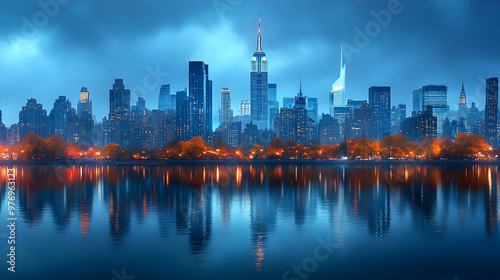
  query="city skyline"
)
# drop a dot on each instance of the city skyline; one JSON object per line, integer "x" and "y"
{"x": 292, "y": 47}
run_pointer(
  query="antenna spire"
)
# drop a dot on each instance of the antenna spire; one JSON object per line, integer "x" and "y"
{"x": 259, "y": 39}
{"x": 341, "y": 57}
{"x": 259, "y": 23}
{"x": 300, "y": 89}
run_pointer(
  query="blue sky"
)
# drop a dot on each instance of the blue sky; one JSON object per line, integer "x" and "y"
{"x": 59, "y": 46}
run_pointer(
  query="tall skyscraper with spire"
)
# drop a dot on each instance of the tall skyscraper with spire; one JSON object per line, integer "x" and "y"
{"x": 462, "y": 105}
{"x": 258, "y": 86}
{"x": 337, "y": 95}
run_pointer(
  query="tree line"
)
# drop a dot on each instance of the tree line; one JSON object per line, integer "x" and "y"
{"x": 465, "y": 146}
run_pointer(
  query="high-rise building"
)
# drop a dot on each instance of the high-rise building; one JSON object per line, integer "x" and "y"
{"x": 200, "y": 101}
{"x": 84, "y": 118}
{"x": 435, "y": 96}
{"x": 58, "y": 118}
{"x": 138, "y": 115}
{"x": 226, "y": 113}
{"x": 182, "y": 116}
{"x": 84, "y": 107}
{"x": 312, "y": 108}
{"x": 294, "y": 123}
{"x": 337, "y": 94}
{"x": 380, "y": 102}
{"x": 344, "y": 117}
{"x": 33, "y": 119}
{"x": 273, "y": 104}
{"x": 119, "y": 114}
{"x": 355, "y": 104}
{"x": 398, "y": 114}
{"x": 462, "y": 105}
{"x": 420, "y": 125}
{"x": 3, "y": 129}
{"x": 491, "y": 111}
{"x": 259, "y": 86}
{"x": 165, "y": 100}
{"x": 328, "y": 130}
{"x": 245, "y": 108}
{"x": 363, "y": 124}
{"x": 173, "y": 100}
{"x": 475, "y": 120}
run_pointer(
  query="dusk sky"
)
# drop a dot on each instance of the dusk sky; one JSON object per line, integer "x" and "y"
{"x": 91, "y": 43}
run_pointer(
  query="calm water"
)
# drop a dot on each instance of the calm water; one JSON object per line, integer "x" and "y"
{"x": 254, "y": 221}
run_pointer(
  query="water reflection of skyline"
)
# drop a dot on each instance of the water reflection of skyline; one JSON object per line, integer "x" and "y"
{"x": 185, "y": 197}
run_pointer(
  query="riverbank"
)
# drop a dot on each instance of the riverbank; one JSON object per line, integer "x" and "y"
{"x": 246, "y": 161}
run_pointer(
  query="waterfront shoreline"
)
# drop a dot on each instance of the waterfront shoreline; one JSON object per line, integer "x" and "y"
{"x": 247, "y": 161}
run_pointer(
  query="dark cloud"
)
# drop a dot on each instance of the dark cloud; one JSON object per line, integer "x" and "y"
{"x": 90, "y": 43}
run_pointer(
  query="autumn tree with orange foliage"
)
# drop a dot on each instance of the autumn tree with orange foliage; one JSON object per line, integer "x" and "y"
{"x": 257, "y": 152}
{"x": 467, "y": 146}
{"x": 432, "y": 148}
{"x": 396, "y": 146}
{"x": 115, "y": 152}
{"x": 275, "y": 149}
{"x": 362, "y": 148}
{"x": 193, "y": 148}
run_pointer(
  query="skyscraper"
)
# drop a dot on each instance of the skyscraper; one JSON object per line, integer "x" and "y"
{"x": 435, "y": 96}
{"x": 85, "y": 104}
{"x": 245, "y": 108}
{"x": 33, "y": 119}
{"x": 337, "y": 94}
{"x": 164, "y": 100}
{"x": 380, "y": 102}
{"x": 3, "y": 130}
{"x": 259, "y": 86}
{"x": 226, "y": 115}
{"x": 273, "y": 104}
{"x": 398, "y": 114}
{"x": 85, "y": 118}
{"x": 58, "y": 118}
{"x": 200, "y": 101}
{"x": 462, "y": 105}
{"x": 312, "y": 108}
{"x": 491, "y": 111}
{"x": 119, "y": 113}
{"x": 182, "y": 116}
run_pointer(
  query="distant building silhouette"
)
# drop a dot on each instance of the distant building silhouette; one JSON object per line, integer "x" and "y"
{"x": 328, "y": 130}
{"x": 420, "y": 125}
{"x": 491, "y": 111}
{"x": 380, "y": 103}
{"x": 435, "y": 96}
{"x": 119, "y": 114}
{"x": 226, "y": 113}
{"x": 58, "y": 118}
{"x": 398, "y": 114}
{"x": 165, "y": 100}
{"x": 182, "y": 116}
{"x": 33, "y": 119}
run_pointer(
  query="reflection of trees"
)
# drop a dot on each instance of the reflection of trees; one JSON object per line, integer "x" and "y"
{"x": 184, "y": 196}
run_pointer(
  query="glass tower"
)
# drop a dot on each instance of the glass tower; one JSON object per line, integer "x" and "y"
{"x": 380, "y": 102}
{"x": 437, "y": 98}
{"x": 200, "y": 101}
{"x": 165, "y": 101}
{"x": 337, "y": 95}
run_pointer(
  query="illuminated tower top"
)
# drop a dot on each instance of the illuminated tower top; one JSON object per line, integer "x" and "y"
{"x": 84, "y": 95}
{"x": 463, "y": 100}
